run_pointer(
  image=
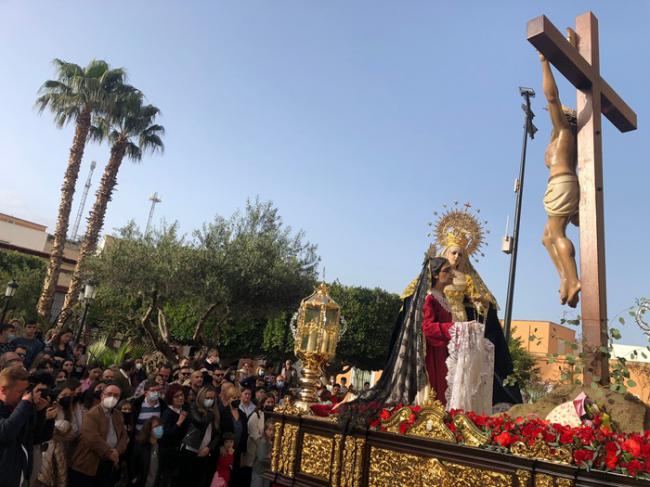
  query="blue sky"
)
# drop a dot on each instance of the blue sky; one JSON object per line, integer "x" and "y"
{"x": 357, "y": 119}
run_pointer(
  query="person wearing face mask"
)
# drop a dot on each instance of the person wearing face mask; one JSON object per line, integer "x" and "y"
{"x": 255, "y": 428}
{"x": 148, "y": 405}
{"x": 146, "y": 463}
{"x": 56, "y": 456}
{"x": 175, "y": 427}
{"x": 235, "y": 421}
{"x": 281, "y": 385}
{"x": 102, "y": 440}
{"x": 140, "y": 374}
{"x": 92, "y": 396}
{"x": 201, "y": 440}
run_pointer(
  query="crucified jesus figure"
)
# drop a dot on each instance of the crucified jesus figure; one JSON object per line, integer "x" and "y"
{"x": 562, "y": 197}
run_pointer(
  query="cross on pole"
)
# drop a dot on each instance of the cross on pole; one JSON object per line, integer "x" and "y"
{"x": 578, "y": 60}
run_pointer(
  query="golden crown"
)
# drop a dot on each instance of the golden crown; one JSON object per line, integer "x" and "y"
{"x": 459, "y": 226}
{"x": 455, "y": 240}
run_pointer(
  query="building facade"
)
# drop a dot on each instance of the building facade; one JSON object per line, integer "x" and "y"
{"x": 32, "y": 239}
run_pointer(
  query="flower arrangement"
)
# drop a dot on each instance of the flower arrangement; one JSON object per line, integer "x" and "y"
{"x": 595, "y": 446}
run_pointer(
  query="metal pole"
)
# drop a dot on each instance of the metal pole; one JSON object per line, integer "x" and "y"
{"x": 5, "y": 307}
{"x": 529, "y": 130}
{"x": 82, "y": 324}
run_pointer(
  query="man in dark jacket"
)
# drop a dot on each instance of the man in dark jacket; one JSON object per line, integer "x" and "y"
{"x": 22, "y": 424}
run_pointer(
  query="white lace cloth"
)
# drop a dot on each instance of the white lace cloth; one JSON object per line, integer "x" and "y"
{"x": 470, "y": 368}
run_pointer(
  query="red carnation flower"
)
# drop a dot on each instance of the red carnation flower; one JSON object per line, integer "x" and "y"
{"x": 633, "y": 467}
{"x": 566, "y": 437}
{"x": 384, "y": 415}
{"x": 583, "y": 456}
{"x": 504, "y": 439}
{"x": 611, "y": 448}
{"x": 611, "y": 459}
{"x": 632, "y": 446}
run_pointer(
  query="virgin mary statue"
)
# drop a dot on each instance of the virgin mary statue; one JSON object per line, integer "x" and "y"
{"x": 447, "y": 340}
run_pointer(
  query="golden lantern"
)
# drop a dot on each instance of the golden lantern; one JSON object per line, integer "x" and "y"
{"x": 316, "y": 332}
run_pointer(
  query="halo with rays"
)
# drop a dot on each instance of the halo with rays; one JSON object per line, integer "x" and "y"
{"x": 463, "y": 223}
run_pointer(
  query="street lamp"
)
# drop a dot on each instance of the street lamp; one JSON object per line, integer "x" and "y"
{"x": 10, "y": 291}
{"x": 89, "y": 294}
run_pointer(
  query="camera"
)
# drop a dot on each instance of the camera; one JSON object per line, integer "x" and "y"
{"x": 42, "y": 378}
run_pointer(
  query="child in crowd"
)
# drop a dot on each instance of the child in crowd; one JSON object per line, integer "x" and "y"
{"x": 263, "y": 456}
{"x": 226, "y": 457}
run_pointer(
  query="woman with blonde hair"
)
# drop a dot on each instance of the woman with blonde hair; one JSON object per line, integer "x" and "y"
{"x": 202, "y": 438}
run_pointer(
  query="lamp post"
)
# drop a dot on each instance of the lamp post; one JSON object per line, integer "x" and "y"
{"x": 90, "y": 291}
{"x": 316, "y": 331}
{"x": 10, "y": 291}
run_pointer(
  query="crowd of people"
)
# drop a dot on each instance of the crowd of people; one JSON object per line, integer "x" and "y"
{"x": 67, "y": 421}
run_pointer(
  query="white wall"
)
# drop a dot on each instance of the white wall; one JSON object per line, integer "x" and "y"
{"x": 22, "y": 236}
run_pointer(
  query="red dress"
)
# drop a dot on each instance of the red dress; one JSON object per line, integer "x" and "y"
{"x": 435, "y": 326}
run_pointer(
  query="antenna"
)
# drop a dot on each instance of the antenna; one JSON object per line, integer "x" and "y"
{"x": 155, "y": 199}
{"x": 82, "y": 204}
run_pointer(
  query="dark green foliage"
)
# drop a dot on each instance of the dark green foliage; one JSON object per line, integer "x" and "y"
{"x": 29, "y": 273}
{"x": 244, "y": 271}
{"x": 370, "y": 315}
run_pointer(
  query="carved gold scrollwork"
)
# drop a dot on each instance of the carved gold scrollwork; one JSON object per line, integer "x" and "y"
{"x": 431, "y": 423}
{"x": 389, "y": 468}
{"x": 352, "y": 467}
{"x": 523, "y": 478}
{"x": 315, "y": 456}
{"x": 287, "y": 408}
{"x": 392, "y": 423}
{"x": 277, "y": 441}
{"x": 472, "y": 435}
{"x": 287, "y": 457}
{"x": 541, "y": 451}
{"x": 543, "y": 480}
{"x": 336, "y": 462}
{"x": 564, "y": 482}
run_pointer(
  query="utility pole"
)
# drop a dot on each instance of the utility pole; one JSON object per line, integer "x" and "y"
{"x": 512, "y": 244}
{"x": 82, "y": 203}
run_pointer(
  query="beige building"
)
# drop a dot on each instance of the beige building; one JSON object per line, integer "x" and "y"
{"x": 31, "y": 238}
{"x": 545, "y": 339}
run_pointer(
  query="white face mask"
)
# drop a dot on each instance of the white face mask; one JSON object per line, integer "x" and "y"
{"x": 208, "y": 403}
{"x": 138, "y": 366}
{"x": 109, "y": 402}
{"x": 153, "y": 396}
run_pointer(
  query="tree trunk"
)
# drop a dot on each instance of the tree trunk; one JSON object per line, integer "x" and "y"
{"x": 44, "y": 307}
{"x": 95, "y": 224}
{"x": 160, "y": 345}
{"x": 198, "y": 331}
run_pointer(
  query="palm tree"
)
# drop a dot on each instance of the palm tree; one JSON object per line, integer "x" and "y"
{"x": 130, "y": 128}
{"x": 74, "y": 96}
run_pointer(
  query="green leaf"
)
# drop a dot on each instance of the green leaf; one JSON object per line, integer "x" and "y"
{"x": 631, "y": 383}
{"x": 621, "y": 320}
{"x": 616, "y": 334}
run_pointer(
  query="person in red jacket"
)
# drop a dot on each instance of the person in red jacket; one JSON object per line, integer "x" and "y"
{"x": 436, "y": 322}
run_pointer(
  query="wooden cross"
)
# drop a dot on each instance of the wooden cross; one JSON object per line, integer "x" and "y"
{"x": 578, "y": 60}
